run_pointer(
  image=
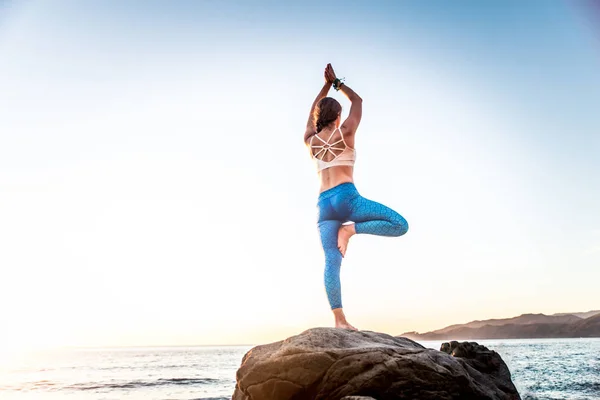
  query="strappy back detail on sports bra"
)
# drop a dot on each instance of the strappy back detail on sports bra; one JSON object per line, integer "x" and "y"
{"x": 345, "y": 155}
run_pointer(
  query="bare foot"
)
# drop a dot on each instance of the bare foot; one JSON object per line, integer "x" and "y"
{"x": 344, "y": 235}
{"x": 340, "y": 320}
{"x": 345, "y": 325}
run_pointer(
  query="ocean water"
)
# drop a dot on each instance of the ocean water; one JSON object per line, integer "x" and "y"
{"x": 542, "y": 369}
{"x": 549, "y": 369}
{"x": 181, "y": 373}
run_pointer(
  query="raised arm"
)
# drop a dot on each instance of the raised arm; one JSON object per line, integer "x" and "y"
{"x": 351, "y": 123}
{"x": 310, "y": 125}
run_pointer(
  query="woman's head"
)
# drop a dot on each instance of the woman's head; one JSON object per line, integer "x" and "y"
{"x": 327, "y": 111}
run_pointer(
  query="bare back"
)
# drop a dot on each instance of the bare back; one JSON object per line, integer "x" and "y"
{"x": 327, "y": 146}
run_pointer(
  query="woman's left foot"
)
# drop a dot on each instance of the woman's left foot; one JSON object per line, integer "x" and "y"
{"x": 345, "y": 325}
{"x": 340, "y": 319}
{"x": 344, "y": 235}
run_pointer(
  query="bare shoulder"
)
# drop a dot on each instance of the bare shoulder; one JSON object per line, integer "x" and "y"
{"x": 309, "y": 133}
{"x": 348, "y": 129}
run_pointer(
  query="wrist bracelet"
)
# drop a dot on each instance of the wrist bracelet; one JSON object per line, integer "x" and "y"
{"x": 337, "y": 83}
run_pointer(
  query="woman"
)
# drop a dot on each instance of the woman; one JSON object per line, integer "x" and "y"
{"x": 332, "y": 148}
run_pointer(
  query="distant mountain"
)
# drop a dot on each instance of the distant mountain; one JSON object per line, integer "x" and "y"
{"x": 588, "y": 327}
{"x": 581, "y": 314}
{"x": 521, "y": 327}
{"x": 524, "y": 319}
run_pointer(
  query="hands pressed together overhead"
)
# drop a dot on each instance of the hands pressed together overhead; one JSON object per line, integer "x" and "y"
{"x": 329, "y": 74}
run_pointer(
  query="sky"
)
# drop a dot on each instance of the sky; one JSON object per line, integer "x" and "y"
{"x": 155, "y": 190}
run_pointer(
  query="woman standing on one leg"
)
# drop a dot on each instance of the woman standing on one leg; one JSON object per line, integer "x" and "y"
{"x": 332, "y": 148}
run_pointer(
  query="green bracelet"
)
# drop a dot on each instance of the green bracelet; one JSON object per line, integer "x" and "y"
{"x": 337, "y": 83}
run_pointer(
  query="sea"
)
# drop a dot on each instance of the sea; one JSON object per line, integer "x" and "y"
{"x": 542, "y": 369}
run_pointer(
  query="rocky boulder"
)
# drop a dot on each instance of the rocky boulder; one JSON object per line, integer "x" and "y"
{"x": 332, "y": 364}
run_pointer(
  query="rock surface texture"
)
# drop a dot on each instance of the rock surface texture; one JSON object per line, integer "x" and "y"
{"x": 330, "y": 364}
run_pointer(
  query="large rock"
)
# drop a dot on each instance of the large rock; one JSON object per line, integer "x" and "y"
{"x": 329, "y": 364}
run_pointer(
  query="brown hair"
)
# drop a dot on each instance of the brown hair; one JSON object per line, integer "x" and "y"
{"x": 326, "y": 111}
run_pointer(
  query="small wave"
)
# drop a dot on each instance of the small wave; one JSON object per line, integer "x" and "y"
{"x": 36, "y": 385}
{"x": 212, "y": 398}
{"x": 589, "y": 387}
{"x": 144, "y": 367}
{"x": 42, "y": 383}
{"x": 538, "y": 391}
{"x": 140, "y": 384}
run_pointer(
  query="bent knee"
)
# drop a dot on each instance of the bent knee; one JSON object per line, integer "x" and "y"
{"x": 400, "y": 226}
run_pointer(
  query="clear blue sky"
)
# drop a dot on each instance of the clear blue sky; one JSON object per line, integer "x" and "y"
{"x": 154, "y": 188}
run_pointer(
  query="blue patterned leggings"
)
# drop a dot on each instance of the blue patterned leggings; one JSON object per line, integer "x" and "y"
{"x": 343, "y": 203}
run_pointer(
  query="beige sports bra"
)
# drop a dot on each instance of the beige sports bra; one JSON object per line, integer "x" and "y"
{"x": 345, "y": 155}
